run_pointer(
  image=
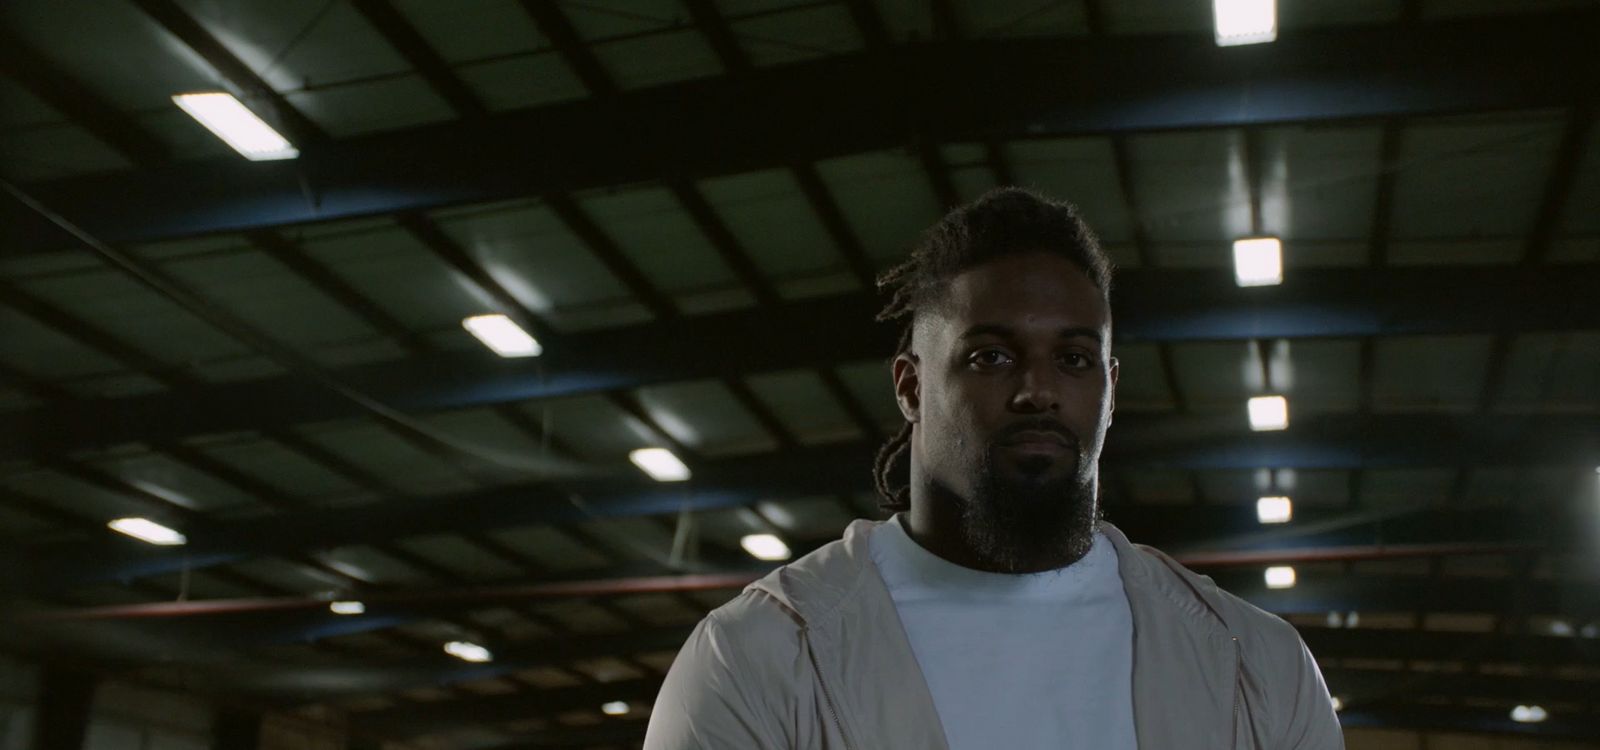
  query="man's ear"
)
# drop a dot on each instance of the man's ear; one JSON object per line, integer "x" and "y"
{"x": 908, "y": 386}
{"x": 1111, "y": 395}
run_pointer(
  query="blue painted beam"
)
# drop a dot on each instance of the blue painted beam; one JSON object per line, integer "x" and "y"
{"x": 1148, "y": 306}
{"x": 974, "y": 90}
{"x": 1221, "y": 441}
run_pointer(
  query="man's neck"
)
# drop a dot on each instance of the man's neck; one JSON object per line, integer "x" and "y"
{"x": 935, "y": 524}
{"x": 930, "y": 525}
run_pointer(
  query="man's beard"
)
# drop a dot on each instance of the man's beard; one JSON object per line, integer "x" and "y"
{"x": 1028, "y": 522}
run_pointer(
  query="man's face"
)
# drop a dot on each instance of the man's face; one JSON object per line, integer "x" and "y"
{"x": 1010, "y": 386}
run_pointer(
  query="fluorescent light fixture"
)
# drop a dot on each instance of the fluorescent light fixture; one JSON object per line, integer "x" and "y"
{"x": 1561, "y": 629}
{"x": 236, "y": 125}
{"x": 765, "y": 547}
{"x": 1269, "y": 413}
{"x": 466, "y": 651}
{"x": 1245, "y": 21}
{"x": 1280, "y": 577}
{"x": 1352, "y": 619}
{"x": 502, "y": 335}
{"x": 347, "y": 608}
{"x": 1529, "y": 714}
{"x": 1338, "y": 703}
{"x": 614, "y": 708}
{"x": 1258, "y": 261}
{"x": 660, "y": 464}
{"x": 1274, "y": 509}
{"x": 146, "y": 530}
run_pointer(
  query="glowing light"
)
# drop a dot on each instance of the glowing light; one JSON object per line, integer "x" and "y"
{"x": 1280, "y": 577}
{"x": 236, "y": 125}
{"x": 614, "y": 708}
{"x": 1529, "y": 714}
{"x": 1258, "y": 261}
{"x": 1269, "y": 413}
{"x": 502, "y": 335}
{"x": 347, "y": 608}
{"x": 765, "y": 547}
{"x": 146, "y": 530}
{"x": 1245, "y": 21}
{"x": 466, "y": 651}
{"x": 660, "y": 464}
{"x": 1274, "y": 509}
{"x": 1338, "y": 703}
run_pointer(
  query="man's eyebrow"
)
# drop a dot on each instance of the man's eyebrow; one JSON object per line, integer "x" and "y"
{"x": 1005, "y": 332}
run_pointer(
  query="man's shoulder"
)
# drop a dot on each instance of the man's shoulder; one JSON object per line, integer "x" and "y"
{"x": 1261, "y": 634}
{"x": 768, "y": 609}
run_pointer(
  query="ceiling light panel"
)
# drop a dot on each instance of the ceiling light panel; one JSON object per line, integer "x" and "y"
{"x": 227, "y": 118}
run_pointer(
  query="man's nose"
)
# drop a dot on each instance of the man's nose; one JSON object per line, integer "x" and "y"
{"x": 1038, "y": 391}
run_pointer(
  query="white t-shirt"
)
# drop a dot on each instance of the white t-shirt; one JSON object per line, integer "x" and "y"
{"x": 1023, "y": 662}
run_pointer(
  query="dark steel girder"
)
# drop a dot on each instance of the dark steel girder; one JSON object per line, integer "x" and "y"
{"x": 738, "y": 482}
{"x": 1159, "y": 306}
{"x": 976, "y": 90}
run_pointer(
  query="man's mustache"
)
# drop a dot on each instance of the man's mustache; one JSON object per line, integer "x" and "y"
{"x": 1012, "y": 431}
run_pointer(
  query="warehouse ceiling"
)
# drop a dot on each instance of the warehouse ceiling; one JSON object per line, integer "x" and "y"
{"x": 686, "y": 202}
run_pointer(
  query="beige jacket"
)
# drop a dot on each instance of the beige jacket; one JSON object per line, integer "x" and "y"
{"x": 813, "y": 657}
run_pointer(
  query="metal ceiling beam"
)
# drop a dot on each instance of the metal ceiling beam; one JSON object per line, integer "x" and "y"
{"x": 972, "y": 90}
{"x": 727, "y": 247}
{"x": 250, "y": 87}
{"x": 827, "y": 209}
{"x": 1236, "y": 570}
{"x": 1159, "y": 306}
{"x": 555, "y": 25}
{"x": 1564, "y": 165}
{"x": 588, "y": 231}
{"x": 735, "y": 482}
{"x": 733, "y": 57}
{"x": 719, "y": 35}
{"x": 39, "y": 77}
{"x": 416, "y": 50}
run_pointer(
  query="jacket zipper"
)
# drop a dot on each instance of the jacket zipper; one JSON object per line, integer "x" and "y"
{"x": 827, "y": 696}
{"x": 1238, "y": 673}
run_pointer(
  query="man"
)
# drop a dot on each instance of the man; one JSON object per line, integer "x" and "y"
{"x": 994, "y": 610}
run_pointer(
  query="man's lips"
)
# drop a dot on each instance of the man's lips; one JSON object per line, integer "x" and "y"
{"x": 1036, "y": 441}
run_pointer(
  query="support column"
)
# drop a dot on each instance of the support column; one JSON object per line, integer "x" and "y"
{"x": 62, "y": 720}
{"x": 236, "y": 730}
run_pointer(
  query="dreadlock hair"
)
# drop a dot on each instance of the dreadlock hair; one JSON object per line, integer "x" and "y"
{"x": 1005, "y": 221}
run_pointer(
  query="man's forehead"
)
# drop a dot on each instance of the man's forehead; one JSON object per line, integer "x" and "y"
{"x": 1035, "y": 286}
{"x": 1026, "y": 295}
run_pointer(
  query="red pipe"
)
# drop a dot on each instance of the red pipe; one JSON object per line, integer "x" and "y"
{"x": 659, "y": 584}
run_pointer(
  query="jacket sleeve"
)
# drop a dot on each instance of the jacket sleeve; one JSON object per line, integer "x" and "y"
{"x": 1311, "y": 721}
{"x": 709, "y": 700}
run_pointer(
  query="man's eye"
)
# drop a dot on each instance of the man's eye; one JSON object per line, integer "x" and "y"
{"x": 1074, "y": 359}
{"x": 990, "y": 358}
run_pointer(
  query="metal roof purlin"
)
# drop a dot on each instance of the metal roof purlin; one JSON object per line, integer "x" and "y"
{"x": 1311, "y": 303}
{"x": 1348, "y": 73}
